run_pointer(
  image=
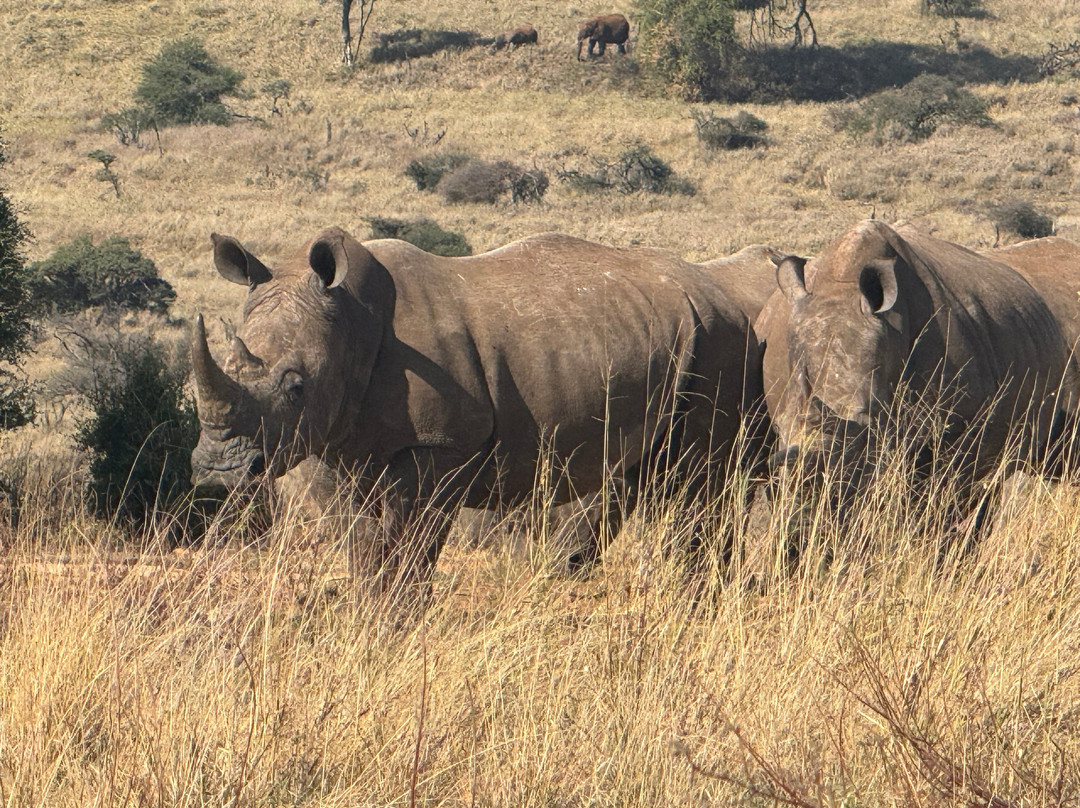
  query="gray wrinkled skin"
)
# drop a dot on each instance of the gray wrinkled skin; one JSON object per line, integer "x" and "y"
{"x": 450, "y": 379}
{"x": 607, "y": 29}
{"x": 883, "y": 310}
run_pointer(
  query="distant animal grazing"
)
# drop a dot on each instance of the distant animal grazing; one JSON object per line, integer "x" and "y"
{"x": 522, "y": 35}
{"x": 440, "y": 382}
{"x": 609, "y": 29}
{"x": 884, "y": 312}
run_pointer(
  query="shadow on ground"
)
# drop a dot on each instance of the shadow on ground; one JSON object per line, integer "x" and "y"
{"x": 855, "y": 71}
{"x": 398, "y": 46}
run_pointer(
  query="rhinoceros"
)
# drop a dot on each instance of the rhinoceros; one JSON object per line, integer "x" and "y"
{"x": 884, "y": 312}
{"x": 465, "y": 381}
{"x": 748, "y": 277}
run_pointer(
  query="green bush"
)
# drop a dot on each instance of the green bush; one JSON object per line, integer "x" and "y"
{"x": 183, "y": 84}
{"x": 16, "y": 399}
{"x": 689, "y": 44}
{"x": 744, "y": 131}
{"x": 426, "y": 172}
{"x": 79, "y": 275}
{"x": 916, "y": 110}
{"x": 1020, "y": 217}
{"x": 424, "y": 233}
{"x": 142, "y": 427}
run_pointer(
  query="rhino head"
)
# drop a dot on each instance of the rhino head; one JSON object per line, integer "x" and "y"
{"x": 840, "y": 352}
{"x": 300, "y": 363}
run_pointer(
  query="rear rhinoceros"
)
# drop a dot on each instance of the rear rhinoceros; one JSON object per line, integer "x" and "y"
{"x": 452, "y": 381}
{"x": 884, "y": 313}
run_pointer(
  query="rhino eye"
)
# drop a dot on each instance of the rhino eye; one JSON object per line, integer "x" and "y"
{"x": 293, "y": 385}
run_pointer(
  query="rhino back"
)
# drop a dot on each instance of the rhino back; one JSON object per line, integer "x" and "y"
{"x": 993, "y": 322}
{"x": 555, "y": 336}
{"x": 747, "y": 278}
{"x": 1052, "y": 266}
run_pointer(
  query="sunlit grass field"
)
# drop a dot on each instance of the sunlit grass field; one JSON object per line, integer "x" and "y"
{"x": 886, "y": 668}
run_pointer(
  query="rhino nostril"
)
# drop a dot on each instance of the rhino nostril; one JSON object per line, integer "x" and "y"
{"x": 258, "y": 465}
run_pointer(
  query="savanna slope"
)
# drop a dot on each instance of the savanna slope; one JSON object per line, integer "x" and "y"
{"x": 243, "y": 672}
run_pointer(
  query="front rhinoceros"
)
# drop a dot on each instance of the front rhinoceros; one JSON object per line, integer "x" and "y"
{"x": 453, "y": 381}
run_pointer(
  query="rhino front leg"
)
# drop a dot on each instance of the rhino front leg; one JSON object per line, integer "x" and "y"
{"x": 396, "y": 559}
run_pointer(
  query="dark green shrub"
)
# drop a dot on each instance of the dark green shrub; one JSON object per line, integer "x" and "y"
{"x": 16, "y": 399}
{"x": 1020, "y": 217}
{"x": 636, "y": 169}
{"x": 916, "y": 110}
{"x": 427, "y": 171}
{"x": 79, "y": 275}
{"x": 183, "y": 84}
{"x": 689, "y": 44}
{"x": 481, "y": 181}
{"x": 424, "y": 233}
{"x": 142, "y": 426}
{"x": 744, "y": 131}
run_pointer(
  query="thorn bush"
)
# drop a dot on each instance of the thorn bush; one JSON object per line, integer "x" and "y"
{"x": 688, "y": 44}
{"x": 1020, "y": 217}
{"x": 481, "y": 181}
{"x": 636, "y": 169}
{"x": 424, "y": 233}
{"x": 142, "y": 426}
{"x": 744, "y": 131}
{"x": 916, "y": 110}
{"x": 427, "y": 171}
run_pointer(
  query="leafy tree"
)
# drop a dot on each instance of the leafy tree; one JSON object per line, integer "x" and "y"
{"x": 16, "y": 400}
{"x": 687, "y": 43}
{"x": 183, "y": 84}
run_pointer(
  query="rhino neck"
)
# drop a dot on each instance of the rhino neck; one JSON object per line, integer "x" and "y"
{"x": 365, "y": 327}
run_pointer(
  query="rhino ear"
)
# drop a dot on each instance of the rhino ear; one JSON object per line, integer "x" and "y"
{"x": 877, "y": 282}
{"x": 328, "y": 260}
{"x": 790, "y": 278}
{"x": 236, "y": 264}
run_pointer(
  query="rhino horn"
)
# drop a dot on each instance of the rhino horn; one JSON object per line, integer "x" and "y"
{"x": 214, "y": 388}
{"x": 243, "y": 357}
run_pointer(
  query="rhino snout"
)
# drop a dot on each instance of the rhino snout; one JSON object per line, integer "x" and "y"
{"x": 784, "y": 458}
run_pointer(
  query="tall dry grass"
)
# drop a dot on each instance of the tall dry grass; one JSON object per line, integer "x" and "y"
{"x": 885, "y": 668}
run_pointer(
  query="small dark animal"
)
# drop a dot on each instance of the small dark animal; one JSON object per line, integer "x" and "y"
{"x": 609, "y": 29}
{"x": 522, "y": 35}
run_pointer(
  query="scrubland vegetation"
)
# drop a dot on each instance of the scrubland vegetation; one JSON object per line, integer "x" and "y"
{"x": 151, "y": 656}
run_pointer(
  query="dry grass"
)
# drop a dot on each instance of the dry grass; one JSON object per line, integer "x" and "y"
{"x": 247, "y": 673}
{"x": 250, "y": 674}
